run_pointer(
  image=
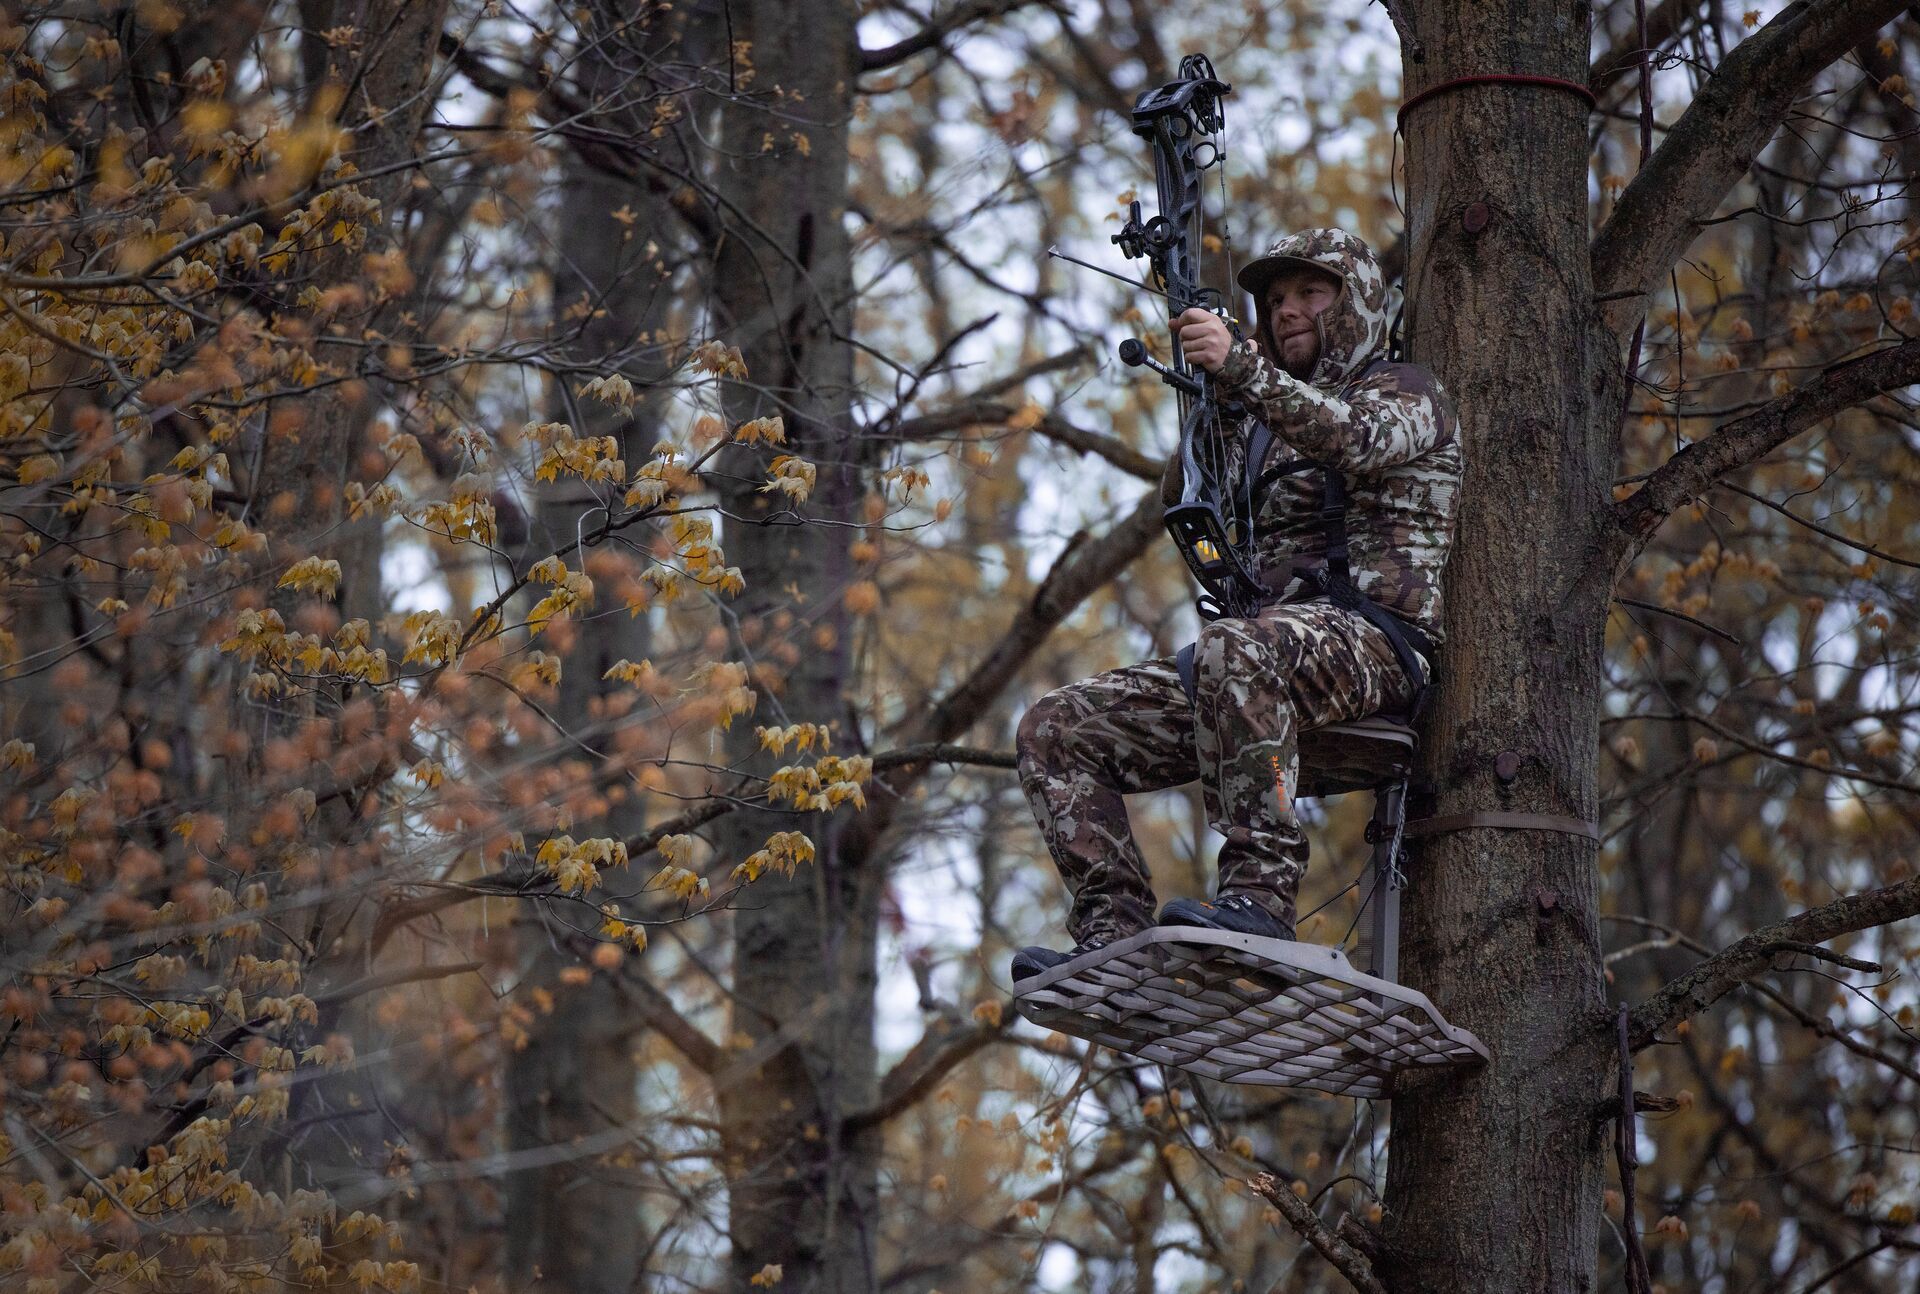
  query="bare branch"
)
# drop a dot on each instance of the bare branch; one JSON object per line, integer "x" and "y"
{"x": 1740, "y": 961}
{"x": 1663, "y": 24}
{"x": 1350, "y": 1262}
{"x": 1714, "y": 143}
{"x": 1745, "y": 440}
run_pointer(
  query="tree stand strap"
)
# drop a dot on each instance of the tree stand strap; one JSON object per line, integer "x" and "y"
{"x": 1497, "y": 821}
{"x": 1494, "y": 78}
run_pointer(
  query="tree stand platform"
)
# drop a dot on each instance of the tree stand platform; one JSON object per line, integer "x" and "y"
{"x": 1272, "y": 1012}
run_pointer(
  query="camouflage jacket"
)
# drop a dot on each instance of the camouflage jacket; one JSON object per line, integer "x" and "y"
{"x": 1389, "y": 428}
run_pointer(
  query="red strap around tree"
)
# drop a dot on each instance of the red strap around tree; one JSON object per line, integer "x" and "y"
{"x": 1493, "y": 78}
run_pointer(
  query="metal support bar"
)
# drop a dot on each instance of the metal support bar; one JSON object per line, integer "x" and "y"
{"x": 1385, "y": 831}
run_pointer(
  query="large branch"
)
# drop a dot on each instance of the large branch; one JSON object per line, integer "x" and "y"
{"x": 936, "y": 31}
{"x": 945, "y": 1044}
{"x": 1740, "y": 961}
{"x": 989, "y": 413}
{"x": 1736, "y": 444}
{"x": 1716, "y": 140}
{"x": 1074, "y": 577}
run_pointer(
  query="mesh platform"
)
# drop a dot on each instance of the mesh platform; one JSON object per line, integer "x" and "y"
{"x": 1243, "y": 1009}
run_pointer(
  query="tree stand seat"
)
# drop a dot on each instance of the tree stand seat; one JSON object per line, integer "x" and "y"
{"x": 1272, "y": 1012}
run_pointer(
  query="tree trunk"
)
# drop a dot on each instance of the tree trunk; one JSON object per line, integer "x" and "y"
{"x": 577, "y": 1225}
{"x": 1496, "y": 1174}
{"x": 801, "y": 1194}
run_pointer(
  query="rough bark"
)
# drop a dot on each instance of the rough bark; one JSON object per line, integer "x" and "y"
{"x": 1495, "y": 1177}
{"x": 801, "y": 1190}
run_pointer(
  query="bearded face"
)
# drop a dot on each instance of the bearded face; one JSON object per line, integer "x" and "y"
{"x": 1294, "y": 299}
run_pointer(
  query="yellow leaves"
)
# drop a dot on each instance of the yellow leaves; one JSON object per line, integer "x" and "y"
{"x": 591, "y": 458}
{"x": 783, "y": 853}
{"x": 801, "y": 736}
{"x": 538, "y": 669}
{"x": 827, "y": 784}
{"x": 762, "y": 431}
{"x": 613, "y": 389}
{"x": 41, "y": 467}
{"x": 429, "y": 773}
{"x": 642, "y": 675}
{"x": 575, "y": 866}
{"x": 719, "y": 359}
{"x": 548, "y": 570}
{"x": 767, "y": 1277}
{"x": 468, "y": 513}
{"x": 432, "y": 638}
{"x": 621, "y": 932}
{"x": 576, "y": 593}
{"x": 679, "y": 882}
{"x": 398, "y": 1277}
{"x": 313, "y": 574}
{"x": 67, "y": 805}
{"x": 17, "y": 754}
{"x": 725, "y": 683}
{"x": 1751, "y": 18}
{"x": 792, "y": 476}
{"x": 908, "y": 478}
{"x": 181, "y": 1019}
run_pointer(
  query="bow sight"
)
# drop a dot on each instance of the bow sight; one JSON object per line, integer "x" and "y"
{"x": 1212, "y": 525}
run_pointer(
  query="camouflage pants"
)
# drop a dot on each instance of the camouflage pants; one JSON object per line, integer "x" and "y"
{"x": 1257, "y": 683}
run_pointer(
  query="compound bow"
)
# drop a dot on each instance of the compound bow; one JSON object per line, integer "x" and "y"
{"x": 1212, "y": 525}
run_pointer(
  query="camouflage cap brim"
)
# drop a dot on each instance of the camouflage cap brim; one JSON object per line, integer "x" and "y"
{"x": 1253, "y": 276}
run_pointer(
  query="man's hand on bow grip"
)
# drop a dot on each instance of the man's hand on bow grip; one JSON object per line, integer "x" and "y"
{"x": 1203, "y": 338}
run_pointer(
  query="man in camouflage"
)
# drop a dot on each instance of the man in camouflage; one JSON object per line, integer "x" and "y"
{"x": 1315, "y": 372}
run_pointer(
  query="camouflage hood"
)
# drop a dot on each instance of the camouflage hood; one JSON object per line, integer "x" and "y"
{"x": 1353, "y": 330}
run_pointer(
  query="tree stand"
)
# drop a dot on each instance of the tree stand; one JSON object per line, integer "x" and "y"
{"x": 1272, "y": 1012}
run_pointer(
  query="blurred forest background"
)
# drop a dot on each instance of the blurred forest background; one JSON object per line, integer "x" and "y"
{"x": 528, "y": 530}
